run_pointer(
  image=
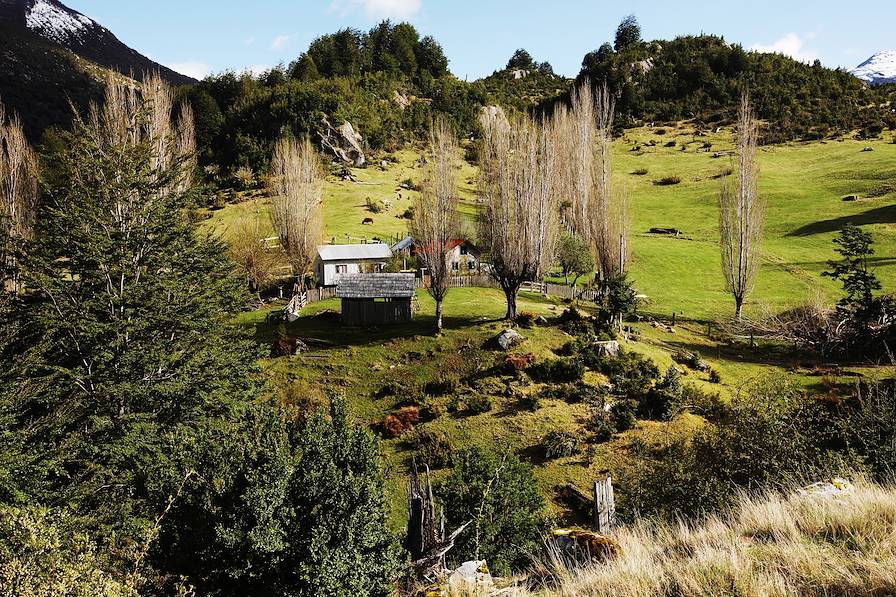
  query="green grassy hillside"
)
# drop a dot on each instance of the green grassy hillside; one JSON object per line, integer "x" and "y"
{"x": 803, "y": 185}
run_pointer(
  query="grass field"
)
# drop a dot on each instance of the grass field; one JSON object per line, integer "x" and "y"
{"x": 359, "y": 363}
{"x": 803, "y": 185}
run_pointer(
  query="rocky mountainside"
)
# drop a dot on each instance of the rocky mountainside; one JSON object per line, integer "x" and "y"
{"x": 73, "y": 31}
{"x": 879, "y": 69}
{"x": 52, "y": 57}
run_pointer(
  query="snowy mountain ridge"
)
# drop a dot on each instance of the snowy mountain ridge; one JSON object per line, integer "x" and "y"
{"x": 879, "y": 69}
{"x": 57, "y": 22}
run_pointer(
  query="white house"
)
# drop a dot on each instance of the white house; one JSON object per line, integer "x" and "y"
{"x": 335, "y": 260}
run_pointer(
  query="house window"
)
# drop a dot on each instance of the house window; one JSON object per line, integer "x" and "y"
{"x": 464, "y": 250}
{"x": 341, "y": 269}
{"x": 455, "y": 266}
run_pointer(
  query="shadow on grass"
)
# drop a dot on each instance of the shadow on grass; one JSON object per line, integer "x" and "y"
{"x": 879, "y": 215}
{"x": 329, "y": 328}
{"x": 760, "y": 354}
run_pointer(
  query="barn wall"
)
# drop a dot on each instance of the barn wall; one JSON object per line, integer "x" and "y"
{"x": 367, "y": 312}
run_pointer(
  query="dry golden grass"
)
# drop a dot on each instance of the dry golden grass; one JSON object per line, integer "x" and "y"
{"x": 773, "y": 546}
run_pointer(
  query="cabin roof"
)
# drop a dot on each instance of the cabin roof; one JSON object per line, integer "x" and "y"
{"x": 370, "y": 286}
{"x": 349, "y": 252}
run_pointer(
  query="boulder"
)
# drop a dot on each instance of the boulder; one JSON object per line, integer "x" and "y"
{"x": 402, "y": 100}
{"x": 608, "y": 348}
{"x": 851, "y": 198}
{"x": 343, "y": 142}
{"x": 472, "y": 577}
{"x": 508, "y": 339}
{"x": 868, "y": 148}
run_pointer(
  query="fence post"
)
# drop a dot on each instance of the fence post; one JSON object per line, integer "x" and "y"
{"x": 604, "y": 506}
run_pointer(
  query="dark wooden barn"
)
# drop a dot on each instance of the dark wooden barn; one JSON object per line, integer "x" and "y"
{"x": 376, "y": 299}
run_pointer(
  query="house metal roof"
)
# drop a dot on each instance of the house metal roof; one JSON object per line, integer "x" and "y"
{"x": 405, "y": 243}
{"x": 349, "y": 252}
{"x": 369, "y": 286}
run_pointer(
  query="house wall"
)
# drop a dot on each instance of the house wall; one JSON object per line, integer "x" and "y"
{"x": 370, "y": 312}
{"x": 326, "y": 270}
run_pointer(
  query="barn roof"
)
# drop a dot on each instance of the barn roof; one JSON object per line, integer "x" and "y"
{"x": 348, "y": 252}
{"x": 366, "y": 286}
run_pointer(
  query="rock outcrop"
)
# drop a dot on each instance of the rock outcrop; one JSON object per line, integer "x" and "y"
{"x": 344, "y": 142}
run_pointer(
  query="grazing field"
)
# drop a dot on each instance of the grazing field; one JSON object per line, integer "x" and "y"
{"x": 803, "y": 184}
{"x": 360, "y": 364}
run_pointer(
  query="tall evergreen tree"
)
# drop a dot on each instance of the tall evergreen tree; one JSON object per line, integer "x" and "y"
{"x": 123, "y": 334}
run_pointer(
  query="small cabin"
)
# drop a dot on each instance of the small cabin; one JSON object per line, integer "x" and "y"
{"x": 376, "y": 299}
{"x": 334, "y": 261}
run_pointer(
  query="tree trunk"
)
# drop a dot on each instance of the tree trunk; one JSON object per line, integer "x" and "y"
{"x": 439, "y": 316}
{"x": 738, "y": 307}
{"x": 511, "y": 293}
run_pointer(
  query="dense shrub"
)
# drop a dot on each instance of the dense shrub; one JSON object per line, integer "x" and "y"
{"x": 667, "y": 181}
{"x": 433, "y": 447}
{"x": 500, "y": 495}
{"x": 530, "y": 401}
{"x": 517, "y": 362}
{"x": 623, "y": 414}
{"x": 278, "y": 508}
{"x": 477, "y": 404}
{"x": 560, "y": 444}
{"x": 441, "y": 387}
{"x": 601, "y": 424}
{"x": 401, "y": 422}
{"x": 573, "y": 393}
{"x": 557, "y": 371}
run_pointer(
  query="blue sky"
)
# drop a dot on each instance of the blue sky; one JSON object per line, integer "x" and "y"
{"x": 202, "y": 36}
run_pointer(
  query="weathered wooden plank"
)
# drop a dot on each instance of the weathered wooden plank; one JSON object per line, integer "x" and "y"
{"x": 604, "y": 506}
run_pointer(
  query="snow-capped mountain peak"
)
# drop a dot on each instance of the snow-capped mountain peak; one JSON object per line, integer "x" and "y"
{"x": 879, "y": 69}
{"x": 57, "y": 22}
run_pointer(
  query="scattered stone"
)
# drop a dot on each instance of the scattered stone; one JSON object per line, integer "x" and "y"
{"x": 851, "y": 198}
{"x": 471, "y": 577}
{"x": 834, "y": 487}
{"x": 367, "y": 222}
{"x": 541, "y": 320}
{"x": 867, "y": 148}
{"x": 608, "y": 348}
{"x": 508, "y": 339}
{"x": 402, "y": 100}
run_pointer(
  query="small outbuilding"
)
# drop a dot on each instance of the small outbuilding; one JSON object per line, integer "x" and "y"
{"x": 376, "y": 299}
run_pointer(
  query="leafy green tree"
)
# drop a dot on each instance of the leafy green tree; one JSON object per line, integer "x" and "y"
{"x": 281, "y": 507}
{"x": 39, "y": 556}
{"x": 521, "y": 59}
{"x": 575, "y": 257}
{"x": 869, "y": 328}
{"x": 499, "y": 494}
{"x": 305, "y": 69}
{"x": 628, "y": 33}
{"x": 125, "y": 332}
{"x": 859, "y": 282}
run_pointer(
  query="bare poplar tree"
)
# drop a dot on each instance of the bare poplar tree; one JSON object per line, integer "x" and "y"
{"x": 583, "y": 144}
{"x": 741, "y": 212}
{"x": 436, "y": 220}
{"x": 132, "y": 116}
{"x": 296, "y": 187}
{"x": 609, "y": 207}
{"x": 18, "y": 195}
{"x": 519, "y": 221}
